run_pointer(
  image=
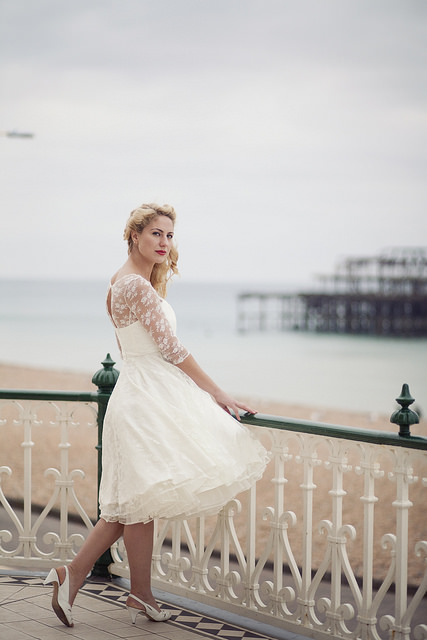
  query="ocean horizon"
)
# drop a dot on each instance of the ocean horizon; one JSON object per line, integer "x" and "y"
{"x": 63, "y": 325}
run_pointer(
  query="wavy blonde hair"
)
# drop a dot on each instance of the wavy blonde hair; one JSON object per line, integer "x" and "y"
{"x": 140, "y": 218}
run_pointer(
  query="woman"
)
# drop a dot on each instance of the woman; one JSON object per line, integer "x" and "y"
{"x": 169, "y": 449}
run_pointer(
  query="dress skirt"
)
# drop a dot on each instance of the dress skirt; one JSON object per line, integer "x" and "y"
{"x": 168, "y": 449}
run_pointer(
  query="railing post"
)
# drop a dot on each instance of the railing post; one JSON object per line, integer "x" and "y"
{"x": 404, "y": 416}
{"x": 105, "y": 379}
{"x": 403, "y": 475}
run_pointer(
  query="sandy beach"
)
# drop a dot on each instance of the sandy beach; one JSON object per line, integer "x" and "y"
{"x": 83, "y": 456}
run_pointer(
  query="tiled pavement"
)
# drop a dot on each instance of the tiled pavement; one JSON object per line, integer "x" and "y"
{"x": 99, "y": 614}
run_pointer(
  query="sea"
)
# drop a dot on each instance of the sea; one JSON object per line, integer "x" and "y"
{"x": 63, "y": 325}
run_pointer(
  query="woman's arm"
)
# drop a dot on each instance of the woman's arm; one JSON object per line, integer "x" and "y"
{"x": 196, "y": 373}
{"x": 145, "y": 304}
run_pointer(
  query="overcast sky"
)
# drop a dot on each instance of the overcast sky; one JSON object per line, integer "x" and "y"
{"x": 287, "y": 133}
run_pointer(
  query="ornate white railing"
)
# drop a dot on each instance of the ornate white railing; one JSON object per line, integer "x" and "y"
{"x": 309, "y": 598}
{"x": 40, "y": 431}
{"x": 323, "y": 546}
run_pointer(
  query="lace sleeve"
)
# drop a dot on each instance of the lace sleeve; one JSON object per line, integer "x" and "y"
{"x": 145, "y": 304}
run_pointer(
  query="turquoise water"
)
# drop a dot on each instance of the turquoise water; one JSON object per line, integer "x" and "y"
{"x": 64, "y": 325}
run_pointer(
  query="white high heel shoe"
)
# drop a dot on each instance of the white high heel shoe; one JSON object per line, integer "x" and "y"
{"x": 60, "y": 597}
{"x": 149, "y": 611}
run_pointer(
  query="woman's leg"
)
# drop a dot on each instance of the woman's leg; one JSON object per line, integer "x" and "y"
{"x": 102, "y": 537}
{"x": 138, "y": 539}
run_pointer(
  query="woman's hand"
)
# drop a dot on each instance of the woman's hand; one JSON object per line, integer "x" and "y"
{"x": 226, "y": 402}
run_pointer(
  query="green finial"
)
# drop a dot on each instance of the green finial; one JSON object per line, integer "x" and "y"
{"x": 106, "y": 378}
{"x": 404, "y": 416}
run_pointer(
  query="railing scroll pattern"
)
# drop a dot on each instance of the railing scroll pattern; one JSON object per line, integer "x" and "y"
{"x": 268, "y": 573}
{"x": 37, "y": 418}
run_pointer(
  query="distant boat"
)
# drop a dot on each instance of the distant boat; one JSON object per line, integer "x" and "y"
{"x": 17, "y": 134}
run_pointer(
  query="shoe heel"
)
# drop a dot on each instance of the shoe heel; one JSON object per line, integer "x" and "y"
{"x": 150, "y": 612}
{"x": 133, "y": 612}
{"x": 60, "y": 596}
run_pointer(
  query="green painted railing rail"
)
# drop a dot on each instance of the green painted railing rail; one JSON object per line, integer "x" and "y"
{"x": 259, "y": 419}
{"x": 336, "y": 431}
{"x": 106, "y": 378}
{"x": 403, "y": 417}
{"x": 39, "y": 394}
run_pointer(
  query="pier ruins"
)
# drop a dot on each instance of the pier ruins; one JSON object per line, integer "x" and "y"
{"x": 384, "y": 295}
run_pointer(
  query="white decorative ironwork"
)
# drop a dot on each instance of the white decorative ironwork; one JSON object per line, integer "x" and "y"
{"x": 327, "y": 599}
{"x": 286, "y": 557}
{"x": 22, "y": 543}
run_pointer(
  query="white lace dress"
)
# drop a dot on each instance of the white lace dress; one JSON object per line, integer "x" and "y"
{"x": 168, "y": 449}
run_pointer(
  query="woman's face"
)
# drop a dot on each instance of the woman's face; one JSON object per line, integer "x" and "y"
{"x": 155, "y": 240}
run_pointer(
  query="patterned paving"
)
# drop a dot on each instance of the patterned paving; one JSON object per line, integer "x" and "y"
{"x": 181, "y": 619}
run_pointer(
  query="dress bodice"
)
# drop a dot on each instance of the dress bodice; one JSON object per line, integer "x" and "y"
{"x": 136, "y": 341}
{"x": 144, "y": 322}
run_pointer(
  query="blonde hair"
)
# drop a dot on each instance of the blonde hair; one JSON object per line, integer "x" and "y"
{"x": 140, "y": 218}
